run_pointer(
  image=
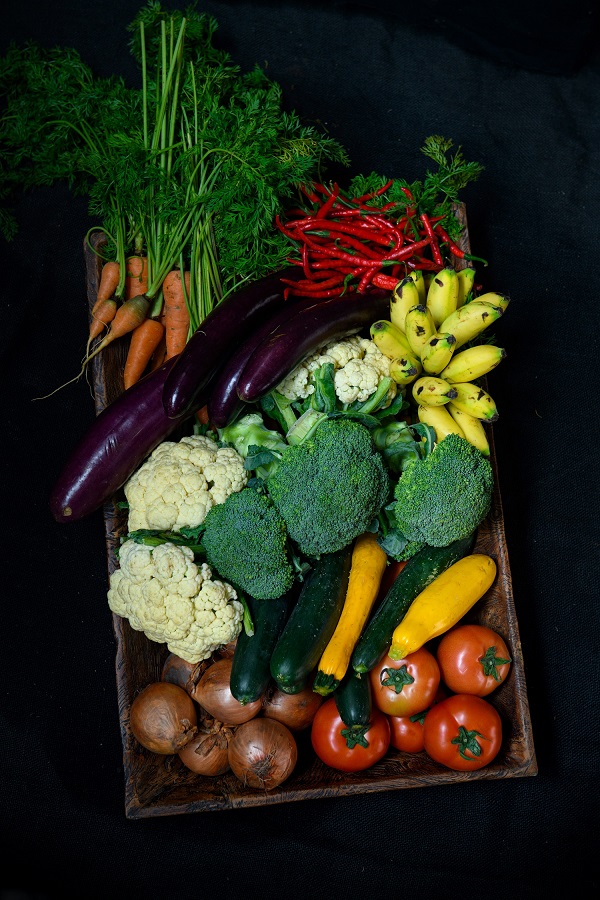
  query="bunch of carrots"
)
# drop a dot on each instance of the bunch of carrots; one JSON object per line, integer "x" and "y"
{"x": 157, "y": 332}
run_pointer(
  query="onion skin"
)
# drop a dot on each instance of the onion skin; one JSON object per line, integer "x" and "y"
{"x": 163, "y": 718}
{"x": 296, "y": 711}
{"x": 207, "y": 752}
{"x": 214, "y": 695}
{"x": 178, "y": 671}
{"x": 263, "y": 753}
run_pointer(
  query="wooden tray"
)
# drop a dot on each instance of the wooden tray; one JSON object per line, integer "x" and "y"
{"x": 159, "y": 786}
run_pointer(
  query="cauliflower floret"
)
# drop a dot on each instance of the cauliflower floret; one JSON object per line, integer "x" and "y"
{"x": 359, "y": 365}
{"x": 162, "y": 592}
{"x": 180, "y": 481}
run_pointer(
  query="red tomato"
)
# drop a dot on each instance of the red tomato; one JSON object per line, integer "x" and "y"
{"x": 406, "y": 732}
{"x": 463, "y": 732}
{"x": 473, "y": 659}
{"x": 348, "y": 749}
{"x": 402, "y": 687}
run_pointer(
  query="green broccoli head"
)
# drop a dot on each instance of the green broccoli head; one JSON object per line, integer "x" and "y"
{"x": 246, "y": 541}
{"x": 444, "y": 496}
{"x": 329, "y": 488}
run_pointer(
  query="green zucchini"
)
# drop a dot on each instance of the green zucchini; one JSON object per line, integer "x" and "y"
{"x": 250, "y": 672}
{"x": 420, "y": 570}
{"x": 353, "y": 699}
{"x": 312, "y": 621}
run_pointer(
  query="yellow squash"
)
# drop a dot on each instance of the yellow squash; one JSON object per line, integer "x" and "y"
{"x": 368, "y": 565}
{"x": 443, "y": 603}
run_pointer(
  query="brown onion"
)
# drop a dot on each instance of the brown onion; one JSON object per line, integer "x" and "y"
{"x": 294, "y": 710}
{"x": 207, "y": 752}
{"x": 263, "y": 753}
{"x": 227, "y": 650}
{"x": 213, "y": 693}
{"x": 163, "y": 718}
{"x": 176, "y": 670}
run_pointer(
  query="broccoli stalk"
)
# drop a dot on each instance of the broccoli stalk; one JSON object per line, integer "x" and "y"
{"x": 260, "y": 446}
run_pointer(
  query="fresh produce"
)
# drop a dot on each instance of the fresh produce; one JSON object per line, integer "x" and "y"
{"x": 208, "y": 752}
{"x": 473, "y": 659}
{"x": 406, "y": 732}
{"x": 162, "y": 592}
{"x": 463, "y": 732}
{"x": 246, "y": 541}
{"x": 442, "y": 295}
{"x": 213, "y": 693}
{"x": 471, "y": 428}
{"x": 296, "y": 711}
{"x": 431, "y": 391}
{"x": 312, "y": 621}
{"x": 163, "y": 718}
{"x": 260, "y": 446}
{"x": 473, "y": 363}
{"x": 349, "y": 748}
{"x": 380, "y": 229}
{"x": 354, "y": 700}
{"x": 179, "y": 671}
{"x": 305, "y": 331}
{"x": 366, "y": 572}
{"x": 263, "y": 753}
{"x": 402, "y": 687}
{"x": 145, "y": 339}
{"x": 437, "y": 352}
{"x": 444, "y": 496}
{"x": 474, "y": 400}
{"x": 338, "y": 469}
{"x": 113, "y": 447}
{"x": 180, "y": 482}
{"x": 186, "y": 171}
{"x": 418, "y": 572}
{"x": 442, "y": 421}
{"x": 407, "y": 294}
{"x": 469, "y": 321}
{"x": 250, "y": 669}
{"x": 223, "y": 328}
{"x": 443, "y": 603}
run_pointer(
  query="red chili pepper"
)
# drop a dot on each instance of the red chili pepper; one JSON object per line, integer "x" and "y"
{"x": 387, "y": 282}
{"x": 325, "y": 209}
{"x": 454, "y": 248}
{"x": 435, "y": 249}
{"x": 376, "y": 193}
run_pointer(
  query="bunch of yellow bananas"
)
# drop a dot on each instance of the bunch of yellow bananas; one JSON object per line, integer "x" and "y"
{"x": 428, "y": 323}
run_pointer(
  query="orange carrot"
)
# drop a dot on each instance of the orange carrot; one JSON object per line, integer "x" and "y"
{"x": 136, "y": 281}
{"x": 144, "y": 341}
{"x": 158, "y": 357}
{"x": 202, "y": 415}
{"x": 105, "y": 307}
{"x": 175, "y": 311}
{"x": 128, "y": 316}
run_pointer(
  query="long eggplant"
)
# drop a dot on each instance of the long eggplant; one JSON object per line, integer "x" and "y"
{"x": 224, "y": 403}
{"x": 301, "y": 335}
{"x": 219, "y": 333}
{"x": 116, "y": 443}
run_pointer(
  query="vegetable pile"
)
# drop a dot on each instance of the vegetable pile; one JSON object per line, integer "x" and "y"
{"x": 302, "y": 438}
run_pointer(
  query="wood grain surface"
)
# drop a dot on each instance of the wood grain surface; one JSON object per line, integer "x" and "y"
{"x": 158, "y": 785}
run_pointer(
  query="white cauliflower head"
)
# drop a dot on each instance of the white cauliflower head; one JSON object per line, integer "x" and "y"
{"x": 180, "y": 481}
{"x": 162, "y": 592}
{"x": 359, "y": 366}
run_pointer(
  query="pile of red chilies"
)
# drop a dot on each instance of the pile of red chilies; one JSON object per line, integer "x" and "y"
{"x": 347, "y": 245}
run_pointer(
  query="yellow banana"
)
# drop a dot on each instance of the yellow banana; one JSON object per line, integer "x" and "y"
{"x": 442, "y": 296}
{"x": 417, "y": 276}
{"x": 473, "y": 428}
{"x": 472, "y": 363}
{"x": 418, "y": 327}
{"x": 429, "y": 391}
{"x": 404, "y": 296}
{"x": 470, "y": 320}
{"x": 466, "y": 279}
{"x": 437, "y": 353}
{"x": 440, "y": 420}
{"x": 501, "y": 300}
{"x": 472, "y": 399}
{"x": 390, "y": 339}
{"x": 405, "y": 369}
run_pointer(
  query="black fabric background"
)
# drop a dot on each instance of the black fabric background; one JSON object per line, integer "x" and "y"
{"x": 517, "y": 85}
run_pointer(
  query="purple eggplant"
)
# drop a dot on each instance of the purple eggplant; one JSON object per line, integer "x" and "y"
{"x": 224, "y": 402}
{"x": 116, "y": 443}
{"x": 218, "y": 335}
{"x": 308, "y": 329}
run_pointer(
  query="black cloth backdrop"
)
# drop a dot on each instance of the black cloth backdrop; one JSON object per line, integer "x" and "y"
{"x": 517, "y": 85}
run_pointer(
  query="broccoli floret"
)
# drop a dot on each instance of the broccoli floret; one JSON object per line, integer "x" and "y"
{"x": 445, "y": 496}
{"x": 246, "y": 541}
{"x": 260, "y": 446}
{"x": 329, "y": 488}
